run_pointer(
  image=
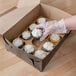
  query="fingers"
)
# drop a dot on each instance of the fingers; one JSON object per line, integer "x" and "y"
{"x": 39, "y": 27}
{"x": 45, "y": 34}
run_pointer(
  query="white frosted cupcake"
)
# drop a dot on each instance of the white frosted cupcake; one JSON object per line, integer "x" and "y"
{"x": 55, "y": 38}
{"x": 40, "y": 54}
{"x": 41, "y": 20}
{"x": 17, "y": 42}
{"x": 26, "y": 35}
{"x": 29, "y": 48}
{"x": 48, "y": 46}
{"x": 37, "y": 33}
{"x": 32, "y": 26}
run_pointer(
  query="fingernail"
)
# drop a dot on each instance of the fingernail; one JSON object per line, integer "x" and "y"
{"x": 41, "y": 39}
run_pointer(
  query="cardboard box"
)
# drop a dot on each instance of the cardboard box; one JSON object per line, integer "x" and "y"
{"x": 6, "y": 5}
{"x": 25, "y": 19}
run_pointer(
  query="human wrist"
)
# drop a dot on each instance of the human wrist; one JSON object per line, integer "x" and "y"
{"x": 67, "y": 24}
{"x": 61, "y": 26}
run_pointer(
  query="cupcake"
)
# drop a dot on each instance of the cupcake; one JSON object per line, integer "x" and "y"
{"x": 32, "y": 26}
{"x": 29, "y": 48}
{"x": 40, "y": 54}
{"x": 17, "y": 42}
{"x": 48, "y": 46}
{"x": 55, "y": 38}
{"x": 26, "y": 35}
{"x": 41, "y": 20}
{"x": 37, "y": 33}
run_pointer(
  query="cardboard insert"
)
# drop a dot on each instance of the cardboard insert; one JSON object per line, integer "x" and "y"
{"x": 37, "y": 44}
{"x": 40, "y": 10}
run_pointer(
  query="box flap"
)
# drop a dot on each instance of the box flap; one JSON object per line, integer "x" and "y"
{"x": 54, "y": 12}
{"x": 66, "y": 5}
{"x": 10, "y": 19}
{"x": 6, "y": 5}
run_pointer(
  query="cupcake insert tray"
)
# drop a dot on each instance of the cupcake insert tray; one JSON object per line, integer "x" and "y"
{"x": 37, "y": 44}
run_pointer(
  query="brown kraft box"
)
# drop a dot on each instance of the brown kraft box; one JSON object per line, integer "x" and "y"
{"x": 38, "y": 10}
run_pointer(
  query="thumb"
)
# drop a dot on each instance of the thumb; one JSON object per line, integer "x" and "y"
{"x": 45, "y": 34}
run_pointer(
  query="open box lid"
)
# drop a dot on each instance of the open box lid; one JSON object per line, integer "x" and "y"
{"x": 6, "y": 5}
{"x": 9, "y": 19}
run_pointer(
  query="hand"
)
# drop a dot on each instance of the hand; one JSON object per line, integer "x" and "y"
{"x": 52, "y": 27}
{"x": 47, "y": 28}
